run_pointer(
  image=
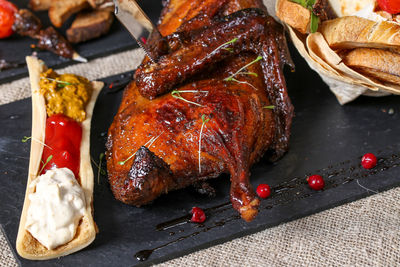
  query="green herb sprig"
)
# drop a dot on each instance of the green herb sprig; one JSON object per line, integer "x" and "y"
{"x": 225, "y": 44}
{"x": 177, "y": 94}
{"x": 44, "y": 164}
{"x": 60, "y": 84}
{"x": 147, "y": 144}
{"x": 243, "y": 82}
{"x": 240, "y": 71}
{"x": 204, "y": 121}
{"x": 98, "y": 166}
{"x": 314, "y": 18}
{"x": 26, "y": 138}
{"x": 100, "y": 170}
{"x": 269, "y": 107}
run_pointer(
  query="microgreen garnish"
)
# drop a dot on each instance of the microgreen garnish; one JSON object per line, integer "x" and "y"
{"x": 177, "y": 94}
{"x": 59, "y": 83}
{"x": 26, "y": 138}
{"x": 224, "y": 44}
{"x": 99, "y": 168}
{"x": 148, "y": 144}
{"x": 314, "y": 18}
{"x": 102, "y": 171}
{"x": 244, "y": 82}
{"x": 204, "y": 121}
{"x": 240, "y": 71}
{"x": 269, "y": 107}
{"x": 44, "y": 164}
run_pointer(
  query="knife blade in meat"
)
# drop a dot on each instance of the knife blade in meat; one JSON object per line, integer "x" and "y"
{"x": 136, "y": 22}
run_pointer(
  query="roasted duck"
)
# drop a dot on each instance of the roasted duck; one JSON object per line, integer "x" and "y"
{"x": 214, "y": 103}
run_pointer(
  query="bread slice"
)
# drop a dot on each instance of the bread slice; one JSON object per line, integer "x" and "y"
{"x": 27, "y": 246}
{"x": 61, "y": 10}
{"x": 377, "y": 63}
{"x": 102, "y": 4}
{"x": 352, "y": 32}
{"x": 38, "y": 5}
{"x": 89, "y": 25}
{"x": 294, "y": 15}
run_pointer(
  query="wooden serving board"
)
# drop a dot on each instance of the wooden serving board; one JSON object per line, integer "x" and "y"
{"x": 15, "y": 48}
{"x": 327, "y": 139}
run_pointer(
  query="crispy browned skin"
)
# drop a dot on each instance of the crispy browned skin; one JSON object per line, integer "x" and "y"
{"x": 239, "y": 130}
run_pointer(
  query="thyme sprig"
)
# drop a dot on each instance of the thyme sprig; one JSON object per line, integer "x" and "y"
{"x": 269, "y": 107}
{"x": 177, "y": 94}
{"x": 240, "y": 71}
{"x": 148, "y": 144}
{"x": 225, "y": 44}
{"x": 59, "y": 83}
{"x": 204, "y": 121}
{"x": 44, "y": 164}
{"x": 26, "y": 138}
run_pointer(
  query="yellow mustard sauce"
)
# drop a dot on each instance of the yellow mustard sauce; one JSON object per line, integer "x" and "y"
{"x": 67, "y": 94}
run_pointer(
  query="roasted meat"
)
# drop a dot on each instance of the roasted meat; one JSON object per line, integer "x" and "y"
{"x": 27, "y": 24}
{"x": 214, "y": 103}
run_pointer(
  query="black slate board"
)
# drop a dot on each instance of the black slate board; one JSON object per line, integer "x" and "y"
{"x": 15, "y": 48}
{"x": 327, "y": 139}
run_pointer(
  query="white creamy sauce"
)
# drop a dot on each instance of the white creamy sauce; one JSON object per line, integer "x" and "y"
{"x": 56, "y": 207}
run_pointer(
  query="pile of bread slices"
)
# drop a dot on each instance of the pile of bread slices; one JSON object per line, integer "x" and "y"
{"x": 352, "y": 41}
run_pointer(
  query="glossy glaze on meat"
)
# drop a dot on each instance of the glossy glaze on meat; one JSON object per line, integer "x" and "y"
{"x": 226, "y": 120}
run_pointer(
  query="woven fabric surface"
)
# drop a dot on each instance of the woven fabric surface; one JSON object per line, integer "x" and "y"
{"x": 95, "y": 69}
{"x": 361, "y": 233}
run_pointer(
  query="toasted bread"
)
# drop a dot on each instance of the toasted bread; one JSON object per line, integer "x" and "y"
{"x": 38, "y": 5}
{"x": 61, "y": 10}
{"x": 101, "y": 4}
{"x": 27, "y": 246}
{"x": 352, "y": 32}
{"x": 377, "y": 63}
{"x": 299, "y": 17}
{"x": 293, "y": 14}
{"x": 89, "y": 25}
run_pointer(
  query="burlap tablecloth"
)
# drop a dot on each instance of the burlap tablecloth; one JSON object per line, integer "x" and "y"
{"x": 362, "y": 233}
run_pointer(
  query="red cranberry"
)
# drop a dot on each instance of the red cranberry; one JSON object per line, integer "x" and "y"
{"x": 198, "y": 215}
{"x": 143, "y": 39}
{"x": 316, "y": 182}
{"x": 368, "y": 161}
{"x": 263, "y": 190}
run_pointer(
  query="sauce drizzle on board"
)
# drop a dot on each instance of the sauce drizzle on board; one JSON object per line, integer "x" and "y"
{"x": 292, "y": 190}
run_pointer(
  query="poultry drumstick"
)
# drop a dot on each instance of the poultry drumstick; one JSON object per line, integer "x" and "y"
{"x": 223, "y": 62}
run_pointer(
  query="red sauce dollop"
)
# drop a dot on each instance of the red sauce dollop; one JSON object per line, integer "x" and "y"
{"x": 63, "y": 136}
